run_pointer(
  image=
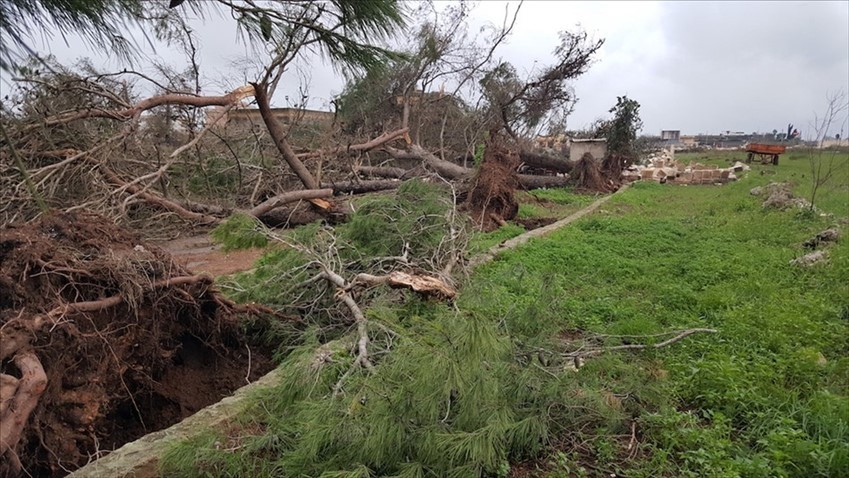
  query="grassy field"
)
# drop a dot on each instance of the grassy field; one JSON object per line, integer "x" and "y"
{"x": 769, "y": 394}
{"x": 483, "y": 388}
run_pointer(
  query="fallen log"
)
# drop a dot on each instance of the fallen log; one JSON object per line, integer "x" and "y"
{"x": 288, "y": 197}
{"x": 382, "y": 172}
{"x": 453, "y": 171}
{"x": 359, "y": 187}
{"x": 545, "y": 162}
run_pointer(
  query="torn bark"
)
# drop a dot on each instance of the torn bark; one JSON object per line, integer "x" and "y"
{"x": 421, "y": 284}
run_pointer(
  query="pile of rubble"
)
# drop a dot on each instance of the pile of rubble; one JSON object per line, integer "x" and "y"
{"x": 663, "y": 167}
{"x": 779, "y": 196}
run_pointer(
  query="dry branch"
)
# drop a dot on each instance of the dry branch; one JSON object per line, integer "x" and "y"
{"x": 156, "y": 199}
{"x": 367, "y": 146}
{"x": 382, "y": 171}
{"x": 421, "y": 284}
{"x": 168, "y": 99}
{"x": 592, "y": 352}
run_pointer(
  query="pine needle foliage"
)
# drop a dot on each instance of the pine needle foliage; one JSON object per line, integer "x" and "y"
{"x": 240, "y": 231}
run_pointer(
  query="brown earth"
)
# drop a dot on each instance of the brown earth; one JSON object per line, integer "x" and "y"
{"x": 200, "y": 255}
{"x": 130, "y": 341}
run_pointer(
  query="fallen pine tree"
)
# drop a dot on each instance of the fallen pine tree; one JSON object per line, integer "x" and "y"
{"x": 103, "y": 338}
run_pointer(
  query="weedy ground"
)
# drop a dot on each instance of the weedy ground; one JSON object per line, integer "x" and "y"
{"x": 481, "y": 388}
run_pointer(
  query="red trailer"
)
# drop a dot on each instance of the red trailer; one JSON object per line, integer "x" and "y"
{"x": 767, "y": 152}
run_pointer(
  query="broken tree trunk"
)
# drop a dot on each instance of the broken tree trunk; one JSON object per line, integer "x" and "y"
{"x": 286, "y": 198}
{"x": 278, "y": 135}
{"x": 453, "y": 171}
{"x": 545, "y": 162}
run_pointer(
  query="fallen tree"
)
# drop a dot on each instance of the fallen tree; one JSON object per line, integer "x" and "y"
{"x": 453, "y": 171}
{"x": 102, "y": 339}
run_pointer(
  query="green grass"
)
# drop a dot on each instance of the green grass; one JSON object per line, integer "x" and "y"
{"x": 768, "y": 395}
{"x": 467, "y": 391}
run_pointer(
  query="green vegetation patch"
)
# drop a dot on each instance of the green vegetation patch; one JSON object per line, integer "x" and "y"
{"x": 473, "y": 388}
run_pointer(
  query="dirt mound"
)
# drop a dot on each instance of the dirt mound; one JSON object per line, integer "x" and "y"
{"x": 104, "y": 339}
{"x": 491, "y": 199}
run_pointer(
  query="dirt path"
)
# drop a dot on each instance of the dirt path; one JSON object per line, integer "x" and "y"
{"x": 200, "y": 254}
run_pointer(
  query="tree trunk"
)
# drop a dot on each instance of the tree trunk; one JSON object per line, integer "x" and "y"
{"x": 284, "y": 198}
{"x": 358, "y": 187}
{"x": 545, "y": 162}
{"x": 278, "y": 135}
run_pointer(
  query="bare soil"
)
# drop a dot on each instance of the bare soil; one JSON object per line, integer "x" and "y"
{"x": 158, "y": 344}
{"x": 200, "y": 255}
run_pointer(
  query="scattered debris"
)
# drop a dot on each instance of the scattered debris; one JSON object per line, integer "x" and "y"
{"x": 809, "y": 259}
{"x": 829, "y": 235}
{"x": 779, "y": 196}
{"x": 663, "y": 167}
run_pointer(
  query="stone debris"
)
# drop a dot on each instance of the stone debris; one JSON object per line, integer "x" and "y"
{"x": 808, "y": 259}
{"x": 663, "y": 168}
{"x": 778, "y": 196}
{"x": 829, "y": 235}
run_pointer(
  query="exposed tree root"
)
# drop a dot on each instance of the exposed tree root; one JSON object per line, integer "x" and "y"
{"x": 18, "y": 406}
{"x": 97, "y": 332}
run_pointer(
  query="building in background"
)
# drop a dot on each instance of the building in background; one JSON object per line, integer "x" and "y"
{"x": 597, "y": 147}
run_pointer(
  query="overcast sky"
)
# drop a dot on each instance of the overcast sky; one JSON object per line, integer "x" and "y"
{"x": 696, "y": 67}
